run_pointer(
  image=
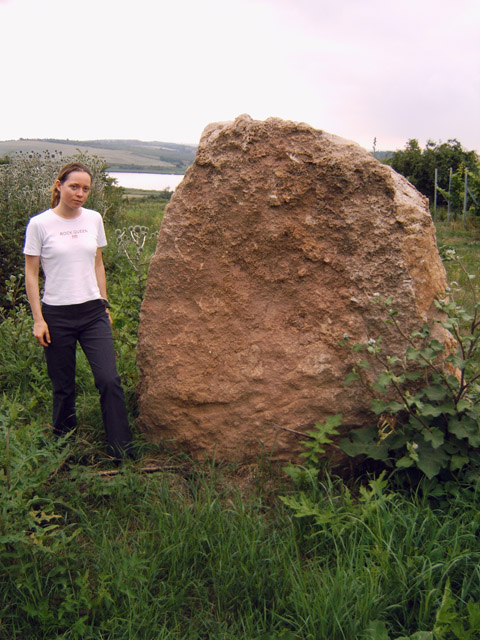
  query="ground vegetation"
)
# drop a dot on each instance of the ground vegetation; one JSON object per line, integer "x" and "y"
{"x": 169, "y": 548}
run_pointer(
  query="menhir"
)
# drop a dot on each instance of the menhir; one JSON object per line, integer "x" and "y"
{"x": 271, "y": 249}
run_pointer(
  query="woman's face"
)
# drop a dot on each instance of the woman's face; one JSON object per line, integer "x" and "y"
{"x": 75, "y": 189}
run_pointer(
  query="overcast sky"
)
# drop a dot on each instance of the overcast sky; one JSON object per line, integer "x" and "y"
{"x": 164, "y": 69}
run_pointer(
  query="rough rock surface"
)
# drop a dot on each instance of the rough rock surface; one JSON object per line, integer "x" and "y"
{"x": 270, "y": 251}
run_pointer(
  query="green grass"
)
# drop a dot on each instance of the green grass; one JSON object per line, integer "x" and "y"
{"x": 206, "y": 551}
{"x": 465, "y": 240}
{"x": 145, "y": 209}
{"x": 187, "y": 554}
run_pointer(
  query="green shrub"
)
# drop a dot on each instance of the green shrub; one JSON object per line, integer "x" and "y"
{"x": 426, "y": 401}
{"x": 23, "y": 372}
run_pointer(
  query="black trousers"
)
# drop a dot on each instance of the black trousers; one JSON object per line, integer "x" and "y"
{"x": 88, "y": 324}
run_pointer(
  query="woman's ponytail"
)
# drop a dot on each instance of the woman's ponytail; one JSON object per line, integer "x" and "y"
{"x": 55, "y": 196}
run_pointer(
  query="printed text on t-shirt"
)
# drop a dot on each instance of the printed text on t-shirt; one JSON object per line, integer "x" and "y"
{"x": 73, "y": 233}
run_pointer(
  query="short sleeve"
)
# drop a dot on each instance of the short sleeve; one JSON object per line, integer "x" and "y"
{"x": 33, "y": 241}
{"x": 101, "y": 237}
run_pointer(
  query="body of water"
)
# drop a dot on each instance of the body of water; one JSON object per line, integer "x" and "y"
{"x": 150, "y": 181}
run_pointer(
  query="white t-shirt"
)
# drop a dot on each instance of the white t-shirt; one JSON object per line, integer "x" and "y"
{"x": 67, "y": 249}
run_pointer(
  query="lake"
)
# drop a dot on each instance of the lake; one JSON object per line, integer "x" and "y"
{"x": 150, "y": 181}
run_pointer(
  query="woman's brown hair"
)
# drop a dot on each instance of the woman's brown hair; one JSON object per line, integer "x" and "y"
{"x": 63, "y": 175}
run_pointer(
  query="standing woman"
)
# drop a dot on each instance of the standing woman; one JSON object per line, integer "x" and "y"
{"x": 67, "y": 241}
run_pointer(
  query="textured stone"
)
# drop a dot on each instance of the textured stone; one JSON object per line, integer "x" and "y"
{"x": 271, "y": 249}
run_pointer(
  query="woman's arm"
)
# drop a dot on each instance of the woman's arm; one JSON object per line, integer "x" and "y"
{"x": 101, "y": 277}
{"x": 40, "y": 327}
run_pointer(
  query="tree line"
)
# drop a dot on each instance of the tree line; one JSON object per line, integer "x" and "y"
{"x": 451, "y": 161}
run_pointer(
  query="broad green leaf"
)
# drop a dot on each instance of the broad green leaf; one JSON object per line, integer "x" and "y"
{"x": 435, "y": 437}
{"x": 436, "y": 393}
{"x": 404, "y": 463}
{"x": 425, "y": 331}
{"x": 378, "y": 406}
{"x": 453, "y": 382}
{"x": 416, "y": 402}
{"x": 463, "y": 405}
{"x": 351, "y": 377}
{"x": 457, "y": 361}
{"x": 364, "y": 442}
{"x": 384, "y": 379}
{"x": 376, "y": 630}
{"x": 457, "y": 462}
{"x": 465, "y": 427}
{"x": 428, "y": 353}
{"x": 364, "y": 364}
{"x": 457, "y": 427}
{"x": 383, "y": 382}
{"x": 474, "y": 438}
{"x": 412, "y": 354}
{"x": 437, "y": 410}
{"x": 430, "y": 460}
{"x": 394, "y": 407}
{"x": 436, "y": 346}
{"x": 430, "y": 466}
{"x": 448, "y": 408}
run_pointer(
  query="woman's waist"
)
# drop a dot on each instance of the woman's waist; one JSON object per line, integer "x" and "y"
{"x": 73, "y": 308}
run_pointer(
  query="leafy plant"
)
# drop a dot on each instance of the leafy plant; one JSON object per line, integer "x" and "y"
{"x": 23, "y": 371}
{"x": 319, "y": 437}
{"x": 427, "y": 400}
{"x": 127, "y": 259}
{"x": 449, "y": 623}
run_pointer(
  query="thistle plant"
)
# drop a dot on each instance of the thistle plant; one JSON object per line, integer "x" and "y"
{"x": 131, "y": 243}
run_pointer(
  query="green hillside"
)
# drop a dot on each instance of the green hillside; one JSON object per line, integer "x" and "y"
{"x": 120, "y": 155}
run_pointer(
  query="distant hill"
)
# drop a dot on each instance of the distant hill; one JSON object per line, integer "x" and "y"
{"x": 120, "y": 155}
{"x": 124, "y": 155}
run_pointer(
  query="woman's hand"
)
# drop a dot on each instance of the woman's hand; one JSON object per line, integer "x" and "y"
{"x": 41, "y": 332}
{"x": 102, "y": 280}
